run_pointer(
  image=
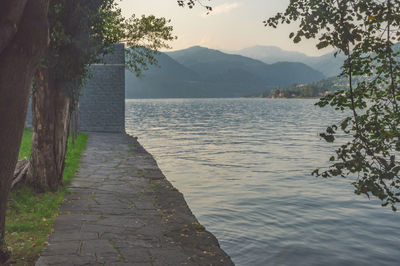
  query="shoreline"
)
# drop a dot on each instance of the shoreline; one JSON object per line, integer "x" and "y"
{"x": 172, "y": 204}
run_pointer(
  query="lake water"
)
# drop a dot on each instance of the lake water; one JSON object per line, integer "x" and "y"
{"x": 244, "y": 167}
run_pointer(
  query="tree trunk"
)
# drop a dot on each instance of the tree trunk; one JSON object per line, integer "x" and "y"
{"x": 23, "y": 39}
{"x": 74, "y": 125}
{"x": 51, "y": 119}
{"x": 20, "y": 172}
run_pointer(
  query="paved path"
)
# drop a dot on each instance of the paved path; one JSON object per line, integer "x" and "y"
{"x": 122, "y": 211}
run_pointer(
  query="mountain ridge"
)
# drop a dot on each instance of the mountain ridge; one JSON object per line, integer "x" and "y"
{"x": 328, "y": 64}
{"x": 202, "y": 72}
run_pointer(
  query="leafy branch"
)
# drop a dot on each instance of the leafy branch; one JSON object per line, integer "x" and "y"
{"x": 366, "y": 32}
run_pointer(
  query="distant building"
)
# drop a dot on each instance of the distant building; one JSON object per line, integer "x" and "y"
{"x": 301, "y": 85}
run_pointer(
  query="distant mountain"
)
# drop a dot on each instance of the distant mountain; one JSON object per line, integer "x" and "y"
{"x": 167, "y": 80}
{"x": 327, "y": 64}
{"x": 272, "y": 54}
{"x": 202, "y": 72}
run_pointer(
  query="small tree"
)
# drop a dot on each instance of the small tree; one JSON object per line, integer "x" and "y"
{"x": 78, "y": 35}
{"x": 81, "y": 33}
{"x": 365, "y": 31}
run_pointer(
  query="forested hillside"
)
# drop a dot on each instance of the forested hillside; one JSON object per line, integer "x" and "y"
{"x": 201, "y": 72}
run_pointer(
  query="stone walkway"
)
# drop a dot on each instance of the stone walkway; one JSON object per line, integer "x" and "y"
{"x": 122, "y": 211}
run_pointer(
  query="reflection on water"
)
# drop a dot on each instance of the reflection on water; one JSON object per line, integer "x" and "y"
{"x": 244, "y": 167}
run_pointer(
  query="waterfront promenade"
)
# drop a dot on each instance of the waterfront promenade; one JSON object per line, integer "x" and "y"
{"x": 123, "y": 211}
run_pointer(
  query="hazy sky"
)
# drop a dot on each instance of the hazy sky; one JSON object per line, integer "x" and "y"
{"x": 233, "y": 25}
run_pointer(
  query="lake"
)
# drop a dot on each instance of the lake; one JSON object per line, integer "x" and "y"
{"x": 244, "y": 167}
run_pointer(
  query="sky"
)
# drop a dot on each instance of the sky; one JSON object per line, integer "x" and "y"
{"x": 231, "y": 26}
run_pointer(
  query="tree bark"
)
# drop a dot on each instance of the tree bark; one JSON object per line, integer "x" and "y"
{"x": 51, "y": 119}
{"x": 23, "y": 39}
{"x": 20, "y": 172}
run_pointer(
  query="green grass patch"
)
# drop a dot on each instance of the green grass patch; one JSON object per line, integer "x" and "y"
{"x": 73, "y": 157}
{"x": 25, "y": 149}
{"x": 30, "y": 216}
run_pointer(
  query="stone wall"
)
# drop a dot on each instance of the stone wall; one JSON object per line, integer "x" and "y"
{"x": 102, "y": 104}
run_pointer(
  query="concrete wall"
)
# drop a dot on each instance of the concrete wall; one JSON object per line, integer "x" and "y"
{"x": 102, "y": 104}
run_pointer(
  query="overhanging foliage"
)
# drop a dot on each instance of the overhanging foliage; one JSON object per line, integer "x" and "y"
{"x": 366, "y": 32}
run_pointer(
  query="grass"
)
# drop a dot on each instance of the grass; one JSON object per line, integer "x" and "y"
{"x": 25, "y": 149}
{"x": 30, "y": 216}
